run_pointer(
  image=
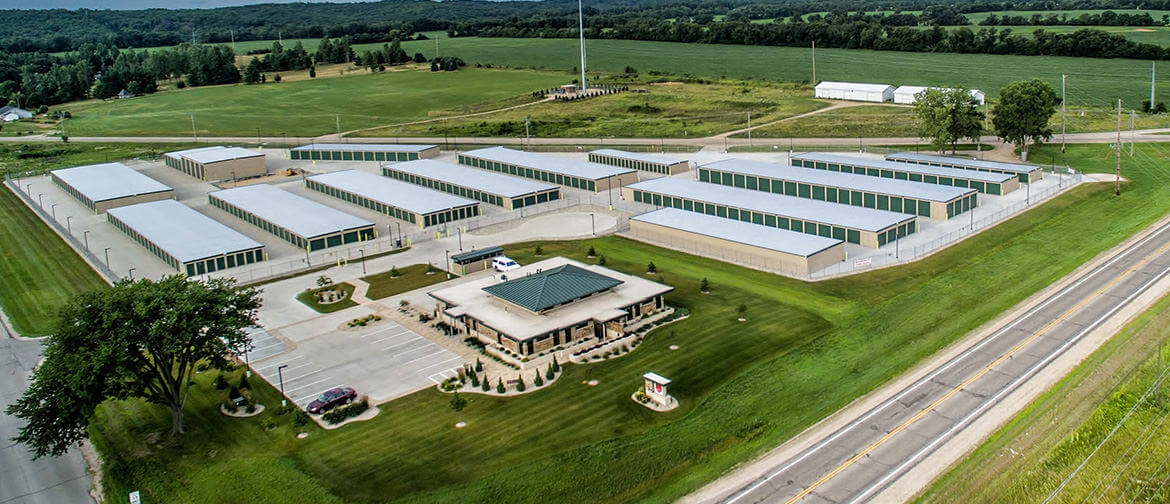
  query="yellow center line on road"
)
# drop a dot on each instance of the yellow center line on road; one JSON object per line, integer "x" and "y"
{"x": 845, "y": 465}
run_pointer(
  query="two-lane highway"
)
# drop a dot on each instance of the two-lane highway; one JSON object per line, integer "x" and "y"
{"x": 857, "y": 461}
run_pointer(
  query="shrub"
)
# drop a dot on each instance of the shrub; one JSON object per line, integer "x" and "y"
{"x": 220, "y": 382}
{"x": 276, "y": 78}
{"x": 300, "y": 418}
{"x": 181, "y": 84}
{"x": 424, "y": 318}
{"x": 230, "y": 406}
{"x": 651, "y": 268}
{"x": 539, "y": 251}
{"x": 268, "y": 424}
{"x": 520, "y": 383}
{"x": 601, "y": 260}
{"x": 234, "y": 392}
{"x": 249, "y": 406}
{"x": 478, "y": 364}
{"x": 591, "y": 253}
{"x": 284, "y": 410}
{"x": 474, "y": 380}
{"x": 324, "y": 281}
{"x": 339, "y": 415}
{"x": 704, "y": 285}
{"x": 431, "y": 268}
{"x": 244, "y": 382}
{"x": 549, "y": 373}
{"x": 485, "y": 384}
{"x": 538, "y": 381}
{"x": 394, "y": 272}
{"x": 556, "y": 365}
{"x": 312, "y": 72}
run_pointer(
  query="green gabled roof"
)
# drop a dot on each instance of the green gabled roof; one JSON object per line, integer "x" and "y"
{"x": 551, "y": 287}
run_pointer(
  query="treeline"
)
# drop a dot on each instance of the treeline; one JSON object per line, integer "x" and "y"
{"x": 1107, "y": 18}
{"x": 102, "y": 71}
{"x": 59, "y": 30}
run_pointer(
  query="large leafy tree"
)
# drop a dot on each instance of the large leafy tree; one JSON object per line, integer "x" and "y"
{"x": 1022, "y": 114}
{"x": 946, "y": 116}
{"x": 137, "y": 339}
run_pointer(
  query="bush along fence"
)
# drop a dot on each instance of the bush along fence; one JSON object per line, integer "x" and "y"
{"x": 473, "y": 379}
{"x": 338, "y": 415}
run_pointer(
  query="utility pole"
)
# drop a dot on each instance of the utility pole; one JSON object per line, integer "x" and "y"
{"x": 1117, "y": 171}
{"x": 527, "y": 139}
{"x": 233, "y": 32}
{"x": 814, "y": 58}
{"x": 1062, "y": 110}
{"x": 581, "y": 33}
{"x": 749, "y": 129}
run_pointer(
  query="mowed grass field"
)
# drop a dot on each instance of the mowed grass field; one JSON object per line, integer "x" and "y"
{"x": 665, "y": 109}
{"x": 806, "y": 350}
{"x": 1100, "y": 79}
{"x": 1037, "y": 449}
{"x": 302, "y": 108}
{"x": 38, "y": 271}
{"x": 847, "y": 122}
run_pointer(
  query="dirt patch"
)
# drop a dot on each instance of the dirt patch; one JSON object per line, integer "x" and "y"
{"x": 1143, "y": 30}
{"x": 667, "y": 83}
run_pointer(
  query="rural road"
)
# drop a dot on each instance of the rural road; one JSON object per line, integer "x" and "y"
{"x": 714, "y": 142}
{"x": 876, "y": 446}
{"x": 49, "y": 480}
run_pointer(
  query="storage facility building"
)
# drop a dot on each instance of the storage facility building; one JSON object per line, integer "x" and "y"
{"x": 474, "y": 260}
{"x": 362, "y": 152}
{"x": 108, "y": 185}
{"x": 185, "y": 239}
{"x": 739, "y": 242}
{"x": 556, "y": 302}
{"x": 854, "y": 91}
{"x": 908, "y": 95}
{"x": 927, "y": 200}
{"x": 218, "y": 163}
{"x": 411, "y": 203}
{"x": 984, "y": 182}
{"x": 1026, "y": 173}
{"x": 298, "y": 220}
{"x": 594, "y": 177}
{"x": 862, "y": 226}
{"x": 639, "y": 161}
{"x": 493, "y": 188}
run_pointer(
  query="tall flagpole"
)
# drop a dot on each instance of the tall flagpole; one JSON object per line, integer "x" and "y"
{"x": 581, "y": 32}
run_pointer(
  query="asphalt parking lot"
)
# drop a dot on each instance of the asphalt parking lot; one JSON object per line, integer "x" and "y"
{"x": 383, "y": 361}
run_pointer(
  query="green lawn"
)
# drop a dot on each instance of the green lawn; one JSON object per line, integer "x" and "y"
{"x": 849, "y": 122}
{"x": 807, "y": 350}
{"x": 666, "y": 109}
{"x": 38, "y": 271}
{"x": 309, "y": 298}
{"x": 302, "y": 108}
{"x": 976, "y": 17}
{"x": 1101, "y": 80}
{"x": 383, "y": 285}
{"x": 1026, "y": 459}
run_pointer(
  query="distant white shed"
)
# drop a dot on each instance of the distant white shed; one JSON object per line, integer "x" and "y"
{"x": 907, "y": 94}
{"x": 855, "y": 91}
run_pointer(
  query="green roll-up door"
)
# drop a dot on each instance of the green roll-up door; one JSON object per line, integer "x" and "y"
{"x": 804, "y": 190}
{"x": 870, "y": 200}
{"x": 704, "y": 176}
{"x": 924, "y": 208}
{"x": 853, "y": 236}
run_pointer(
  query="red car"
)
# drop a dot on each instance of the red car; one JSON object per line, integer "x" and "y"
{"x": 331, "y": 399}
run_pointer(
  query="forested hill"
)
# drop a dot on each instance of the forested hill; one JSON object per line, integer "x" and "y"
{"x": 55, "y": 30}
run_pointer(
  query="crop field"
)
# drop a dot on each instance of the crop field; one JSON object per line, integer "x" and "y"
{"x": 1038, "y": 449}
{"x": 664, "y": 109}
{"x": 819, "y": 345}
{"x": 302, "y": 108}
{"x": 1098, "y": 79}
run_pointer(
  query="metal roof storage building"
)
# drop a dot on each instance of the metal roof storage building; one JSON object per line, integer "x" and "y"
{"x": 493, "y": 188}
{"x": 984, "y": 182}
{"x": 298, "y": 220}
{"x": 362, "y": 152}
{"x": 554, "y": 169}
{"x": 738, "y": 242}
{"x": 185, "y": 239}
{"x": 916, "y": 198}
{"x": 908, "y": 95}
{"x": 862, "y": 226}
{"x": 417, "y": 205}
{"x": 1025, "y": 172}
{"x": 639, "y": 161}
{"x": 108, "y": 185}
{"x": 854, "y": 91}
{"x": 218, "y": 163}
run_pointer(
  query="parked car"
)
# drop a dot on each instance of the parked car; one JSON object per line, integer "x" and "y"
{"x": 503, "y": 263}
{"x": 332, "y": 398}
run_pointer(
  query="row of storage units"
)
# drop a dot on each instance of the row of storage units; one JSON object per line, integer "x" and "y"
{"x": 981, "y": 181}
{"x": 488, "y": 187}
{"x": 185, "y": 239}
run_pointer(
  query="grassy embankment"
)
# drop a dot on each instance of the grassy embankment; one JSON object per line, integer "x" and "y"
{"x": 814, "y": 345}
{"x": 384, "y": 285}
{"x": 38, "y": 271}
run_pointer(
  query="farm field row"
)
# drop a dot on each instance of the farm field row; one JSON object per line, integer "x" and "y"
{"x": 816, "y": 344}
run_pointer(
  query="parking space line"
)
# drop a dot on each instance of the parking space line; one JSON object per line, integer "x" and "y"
{"x": 298, "y": 366}
{"x": 392, "y": 336}
{"x": 441, "y": 363}
{"x": 379, "y": 331}
{"x": 441, "y": 350}
{"x": 275, "y": 342}
{"x": 289, "y": 391}
{"x": 310, "y": 373}
{"x": 401, "y": 344}
{"x": 427, "y": 348}
{"x": 317, "y": 393}
{"x": 278, "y": 363}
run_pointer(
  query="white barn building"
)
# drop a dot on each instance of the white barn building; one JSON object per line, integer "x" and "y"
{"x": 907, "y": 94}
{"x": 855, "y": 91}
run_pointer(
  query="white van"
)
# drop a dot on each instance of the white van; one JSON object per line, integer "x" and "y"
{"x": 503, "y": 263}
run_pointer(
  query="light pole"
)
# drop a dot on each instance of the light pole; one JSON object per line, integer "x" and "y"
{"x": 447, "y": 263}
{"x": 108, "y": 257}
{"x": 40, "y": 200}
{"x": 460, "y": 230}
{"x": 131, "y": 274}
{"x": 280, "y": 376}
{"x": 363, "y": 261}
{"x": 593, "y": 224}
{"x": 85, "y": 236}
{"x": 28, "y": 189}
{"x": 399, "y": 225}
{"x": 69, "y": 224}
{"x": 247, "y": 364}
{"x": 53, "y": 209}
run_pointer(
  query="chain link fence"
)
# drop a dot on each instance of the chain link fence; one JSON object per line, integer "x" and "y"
{"x": 98, "y": 264}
